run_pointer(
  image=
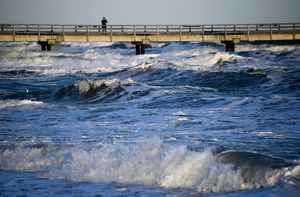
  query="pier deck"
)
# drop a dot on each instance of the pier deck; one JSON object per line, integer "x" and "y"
{"x": 227, "y": 33}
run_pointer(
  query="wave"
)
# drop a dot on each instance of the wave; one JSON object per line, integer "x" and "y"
{"x": 256, "y": 169}
{"x": 268, "y": 47}
{"x": 16, "y": 73}
{"x": 204, "y": 61}
{"x": 294, "y": 174}
{"x": 105, "y": 57}
{"x": 18, "y": 103}
{"x": 151, "y": 162}
{"x": 197, "y": 57}
{"x": 217, "y": 80}
{"x": 95, "y": 90}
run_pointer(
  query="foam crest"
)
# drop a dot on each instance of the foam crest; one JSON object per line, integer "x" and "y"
{"x": 295, "y": 172}
{"x": 30, "y": 159}
{"x": 95, "y": 90}
{"x": 85, "y": 86}
{"x": 152, "y": 163}
{"x": 201, "y": 58}
{"x": 104, "y": 57}
{"x": 200, "y": 171}
{"x": 208, "y": 61}
{"x": 18, "y": 103}
{"x": 148, "y": 162}
{"x": 268, "y": 47}
{"x": 87, "y": 45}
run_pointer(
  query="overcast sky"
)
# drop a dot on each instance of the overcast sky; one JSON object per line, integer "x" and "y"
{"x": 149, "y": 11}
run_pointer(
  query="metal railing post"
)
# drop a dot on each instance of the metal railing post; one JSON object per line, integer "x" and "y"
{"x": 294, "y": 31}
{"x": 14, "y": 33}
{"x": 180, "y": 32}
{"x": 145, "y": 28}
{"x": 202, "y": 33}
{"x": 39, "y": 33}
{"x": 63, "y": 33}
{"x": 271, "y": 32}
{"x": 157, "y": 32}
{"x": 248, "y": 33}
{"x": 87, "y": 33}
{"x": 225, "y": 29}
{"x": 134, "y": 33}
{"x": 110, "y": 33}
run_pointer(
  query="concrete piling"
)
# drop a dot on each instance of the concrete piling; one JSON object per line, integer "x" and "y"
{"x": 229, "y": 46}
{"x": 45, "y": 45}
{"x": 139, "y": 48}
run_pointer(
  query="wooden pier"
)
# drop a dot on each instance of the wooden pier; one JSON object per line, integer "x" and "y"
{"x": 229, "y": 34}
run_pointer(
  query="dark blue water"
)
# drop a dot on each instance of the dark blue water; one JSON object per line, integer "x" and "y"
{"x": 186, "y": 119}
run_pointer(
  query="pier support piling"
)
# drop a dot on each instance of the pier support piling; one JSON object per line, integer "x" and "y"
{"x": 45, "y": 45}
{"x": 139, "y": 48}
{"x": 229, "y": 46}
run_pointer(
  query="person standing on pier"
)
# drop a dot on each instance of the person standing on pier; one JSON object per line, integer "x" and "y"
{"x": 104, "y": 24}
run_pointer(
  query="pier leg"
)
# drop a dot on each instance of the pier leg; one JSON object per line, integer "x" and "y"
{"x": 139, "y": 48}
{"x": 49, "y": 47}
{"x": 45, "y": 46}
{"x": 229, "y": 46}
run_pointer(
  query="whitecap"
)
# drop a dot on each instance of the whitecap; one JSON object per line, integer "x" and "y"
{"x": 148, "y": 162}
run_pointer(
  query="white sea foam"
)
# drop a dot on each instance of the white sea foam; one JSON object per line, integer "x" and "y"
{"x": 202, "y": 58}
{"x": 268, "y": 47}
{"x": 87, "y": 44}
{"x": 91, "y": 58}
{"x": 86, "y": 86}
{"x": 148, "y": 162}
{"x": 29, "y": 159}
{"x": 295, "y": 172}
{"x": 17, "y": 103}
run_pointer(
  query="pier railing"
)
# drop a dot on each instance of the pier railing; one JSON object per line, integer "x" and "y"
{"x": 48, "y": 29}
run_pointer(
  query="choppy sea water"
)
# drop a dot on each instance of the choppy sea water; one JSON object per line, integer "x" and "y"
{"x": 186, "y": 119}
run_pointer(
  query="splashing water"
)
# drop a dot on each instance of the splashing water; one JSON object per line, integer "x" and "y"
{"x": 185, "y": 119}
{"x": 148, "y": 162}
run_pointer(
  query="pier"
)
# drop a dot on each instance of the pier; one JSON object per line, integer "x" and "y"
{"x": 141, "y": 35}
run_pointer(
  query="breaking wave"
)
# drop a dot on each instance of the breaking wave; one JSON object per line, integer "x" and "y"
{"x": 149, "y": 162}
{"x": 95, "y": 90}
{"x": 108, "y": 57}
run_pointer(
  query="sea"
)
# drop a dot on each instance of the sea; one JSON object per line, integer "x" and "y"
{"x": 185, "y": 119}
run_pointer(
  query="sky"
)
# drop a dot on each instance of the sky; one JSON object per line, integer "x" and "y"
{"x": 149, "y": 11}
